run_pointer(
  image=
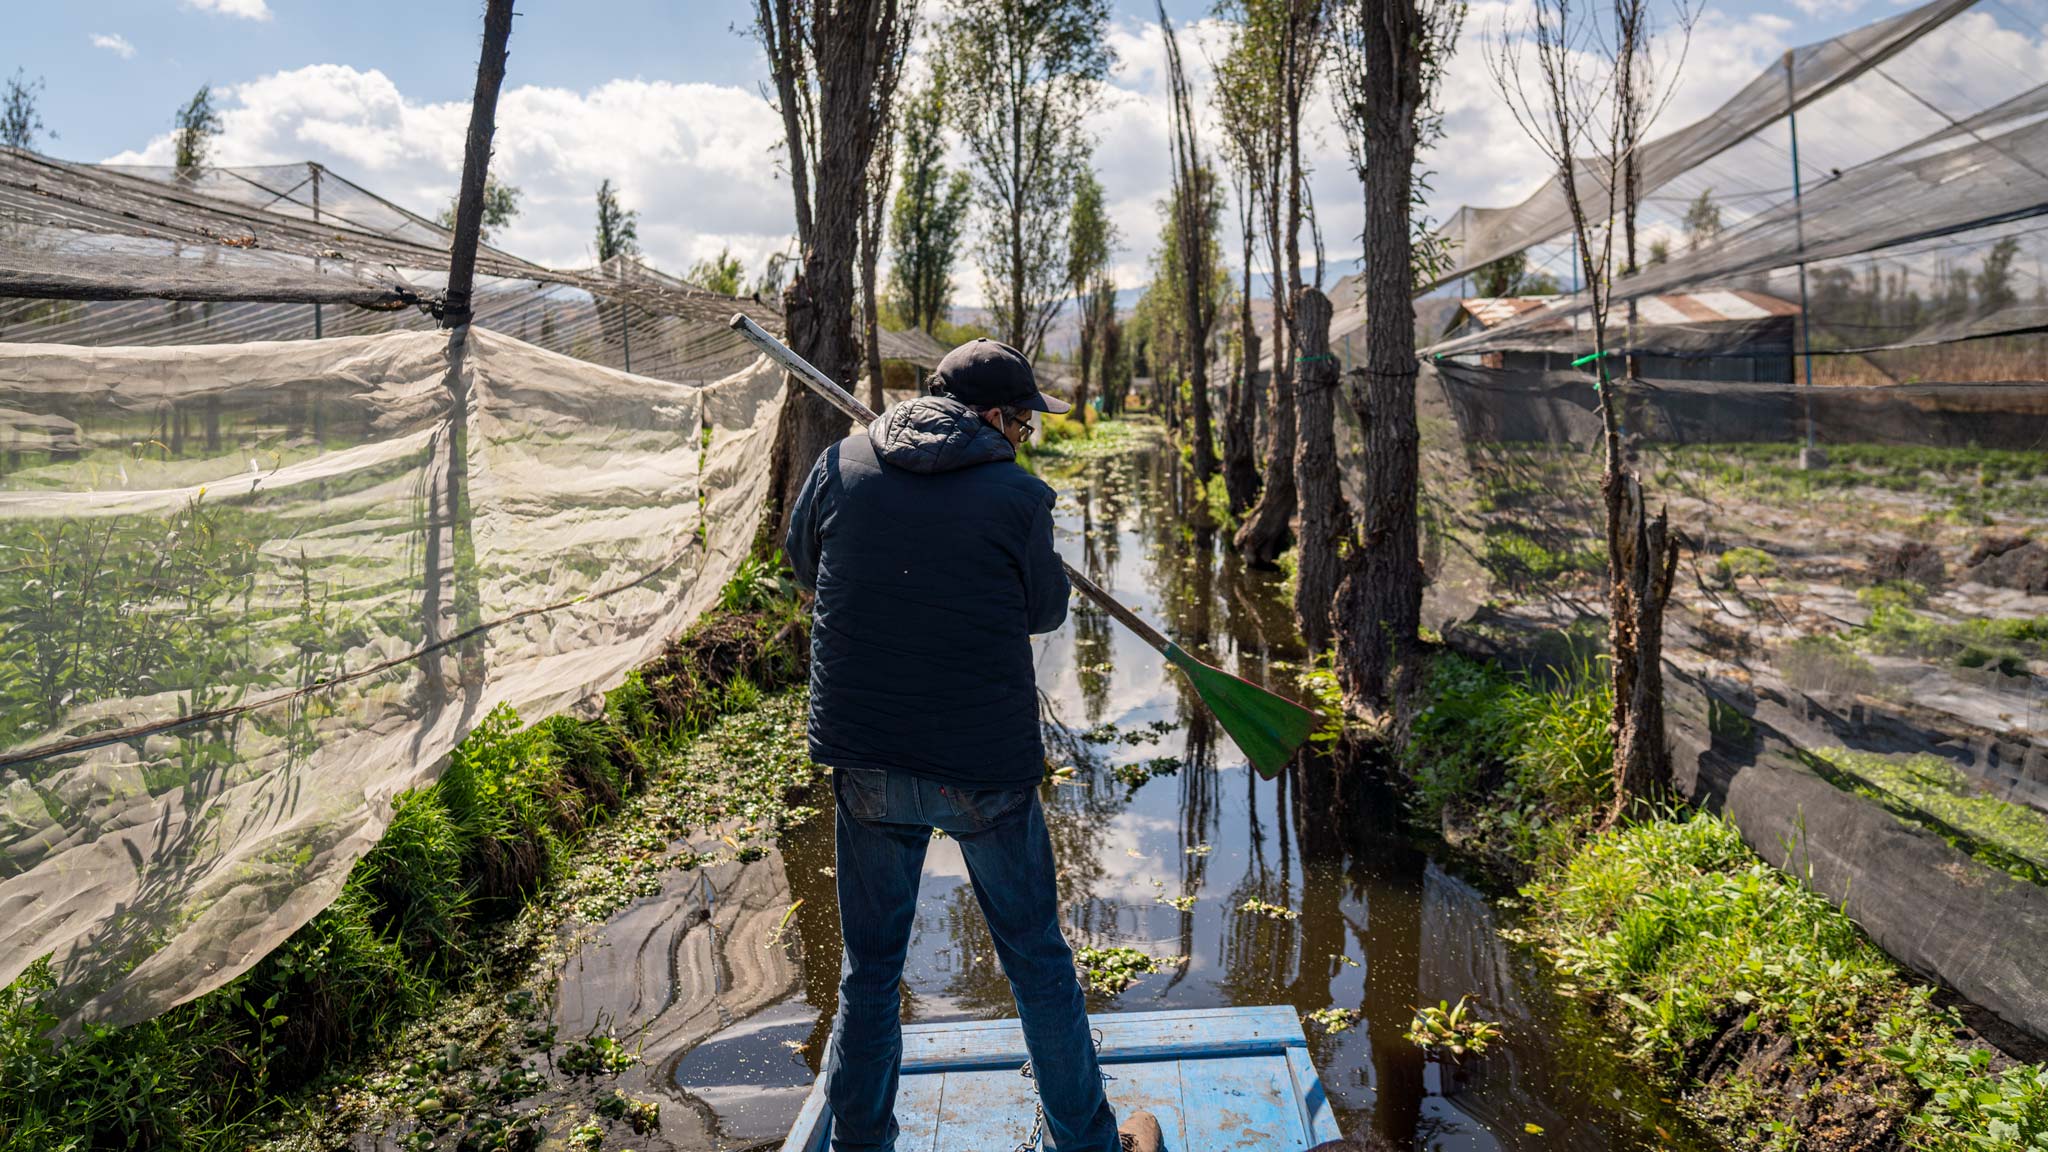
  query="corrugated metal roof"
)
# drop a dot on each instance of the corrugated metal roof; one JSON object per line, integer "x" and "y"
{"x": 1712, "y": 307}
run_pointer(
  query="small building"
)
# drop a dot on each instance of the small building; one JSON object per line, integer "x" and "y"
{"x": 1727, "y": 334}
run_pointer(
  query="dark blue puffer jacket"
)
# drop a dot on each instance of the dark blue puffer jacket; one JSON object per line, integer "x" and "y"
{"x": 931, "y": 553}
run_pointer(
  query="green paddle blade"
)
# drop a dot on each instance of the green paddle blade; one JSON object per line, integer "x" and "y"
{"x": 1268, "y": 729}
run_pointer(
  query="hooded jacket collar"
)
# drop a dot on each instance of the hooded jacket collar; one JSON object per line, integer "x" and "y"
{"x": 937, "y": 434}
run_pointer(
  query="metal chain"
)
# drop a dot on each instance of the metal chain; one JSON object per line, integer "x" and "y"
{"x": 1037, "y": 1134}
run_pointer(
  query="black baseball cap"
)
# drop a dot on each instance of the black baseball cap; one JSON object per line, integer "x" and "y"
{"x": 987, "y": 373}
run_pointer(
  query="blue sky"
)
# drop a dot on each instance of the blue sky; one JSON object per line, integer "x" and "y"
{"x": 663, "y": 98}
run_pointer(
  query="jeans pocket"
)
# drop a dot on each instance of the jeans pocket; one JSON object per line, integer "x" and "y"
{"x": 866, "y": 791}
{"x": 985, "y": 806}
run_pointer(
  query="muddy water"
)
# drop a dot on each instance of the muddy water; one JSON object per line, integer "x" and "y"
{"x": 1378, "y": 925}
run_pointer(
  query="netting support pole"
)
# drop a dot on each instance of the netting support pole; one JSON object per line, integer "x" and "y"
{"x": 476, "y": 163}
{"x": 313, "y": 170}
{"x": 1799, "y": 223}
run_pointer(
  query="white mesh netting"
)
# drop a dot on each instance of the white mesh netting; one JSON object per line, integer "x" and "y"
{"x": 257, "y": 590}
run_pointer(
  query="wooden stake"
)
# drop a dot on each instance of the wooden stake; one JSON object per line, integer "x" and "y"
{"x": 476, "y": 163}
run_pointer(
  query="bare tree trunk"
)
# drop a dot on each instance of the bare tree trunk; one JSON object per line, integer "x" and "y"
{"x": 1265, "y": 531}
{"x": 1087, "y": 354}
{"x": 1315, "y": 472}
{"x": 856, "y": 51}
{"x": 1240, "y": 469}
{"x": 874, "y": 201}
{"x": 1379, "y": 606}
{"x": 476, "y": 163}
{"x": 1642, "y": 762}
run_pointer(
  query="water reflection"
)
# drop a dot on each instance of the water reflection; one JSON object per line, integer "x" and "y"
{"x": 1376, "y": 925}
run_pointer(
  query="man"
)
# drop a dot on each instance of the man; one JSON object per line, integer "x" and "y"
{"x": 931, "y": 555}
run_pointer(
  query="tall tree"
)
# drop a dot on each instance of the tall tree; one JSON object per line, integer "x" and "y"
{"x": 930, "y": 213}
{"x": 874, "y": 207}
{"x": 1026, "y": 73}
{"x": 198, "y": 125}
{"x": 1390, "y": 59}
{"x": 1510, "y": 276}
{"x": 1195, "y": 217}
{"x": 721, "y": 274}
{"x": 1116, "y": 362}
{"x": 1291, "y": 37}
{"x": 501, "y": 207}
{"x": 1090, "y": 237}
{"x": 618, "y": 228}
{"x": 1244, "y": 103}
{"x": 20, "y": 117}
{"x": 618, "y": 241}
{"x": 835, "y": 69}
{"x": 1576, "y": 99}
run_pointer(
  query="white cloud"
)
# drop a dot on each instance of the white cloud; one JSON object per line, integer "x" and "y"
{"x": 1821, "y": 8}
{"x": 696, "y": 160}
{"x": 115, "y": 43}
{"x": 700, "y": 162}
{"x": 242, "y": 9}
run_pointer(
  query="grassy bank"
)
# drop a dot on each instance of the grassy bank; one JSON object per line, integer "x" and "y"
{"x": 423, "y": 916}
{"x": 1756, "y": 1000}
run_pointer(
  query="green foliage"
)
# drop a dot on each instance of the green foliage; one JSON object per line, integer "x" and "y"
{"x": 1216, "y": 496}
{"x": 1970, "y": 1108}
{"x": 929, "y": 213}
{"x": 1523, "y": 563}
{"x": 1023, "y": 79}
{"x": 1743, "y": 563}
{"x": 20, "y": 120}
{"x": 2005, "y": 645}
{"x": 1332, "y": 1020}
{"x": 721, "y": 274}
{"x": 1526, "y": 762}
{"x": 197, "y": 125}
{"x": 501, "y": 207}
{"x": 642, "y": 1116}
{"x": 1686, "y": 928}
{"x": 1111, "y": 970}
{"x": 1454, "y": 1028}
{"x": 416, "y": 872}
{"x": 618, "y": 228}
{"x": 597, "y": 1056}
{"x": 759, "y": 584}
{"x": 408, "y": 926}
{"x": 1510, "y": 276}
{"x": 1929, "y": 792}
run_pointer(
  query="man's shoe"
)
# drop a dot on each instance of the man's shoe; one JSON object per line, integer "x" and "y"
{"x": 1140, "y": 1133}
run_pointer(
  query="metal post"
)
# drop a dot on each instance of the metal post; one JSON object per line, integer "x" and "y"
{"x": 314, "y": 170}
{"x": 1799, "y": 224}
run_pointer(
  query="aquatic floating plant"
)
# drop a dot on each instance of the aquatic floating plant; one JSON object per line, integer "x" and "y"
{"x": 1455, "y": 1028}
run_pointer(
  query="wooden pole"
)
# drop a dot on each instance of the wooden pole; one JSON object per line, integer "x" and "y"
{"x": 476, "y": 163}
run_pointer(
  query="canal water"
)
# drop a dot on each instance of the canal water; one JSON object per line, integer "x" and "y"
{"x": 1164, "y": 837}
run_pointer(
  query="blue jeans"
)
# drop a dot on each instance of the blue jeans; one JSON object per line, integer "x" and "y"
{"x": 884, "y": 825}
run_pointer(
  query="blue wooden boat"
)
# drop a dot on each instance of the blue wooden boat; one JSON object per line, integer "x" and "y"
{"x": 1217, "y": 1078}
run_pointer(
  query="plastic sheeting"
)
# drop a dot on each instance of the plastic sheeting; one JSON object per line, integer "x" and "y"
{"x": 258, "y": 590}
{"x": 1856, "y": 96}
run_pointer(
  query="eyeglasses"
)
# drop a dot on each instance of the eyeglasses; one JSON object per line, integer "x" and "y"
{"x": 1025, "y": 426}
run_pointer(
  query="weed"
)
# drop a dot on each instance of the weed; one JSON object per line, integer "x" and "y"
{"x": 1111, "y": 970}
{"x": 1454, "y": 1028}
{"x": 1134, "y": 774}
{"x": 1332, "y": 1020}
{"x": 1930, "y": 792}
{"x": 1738, "y": 563}
{"x": 642, "y": 1116}
{"x": 1269, "y": 911}
{"x": 597, "y": 1056}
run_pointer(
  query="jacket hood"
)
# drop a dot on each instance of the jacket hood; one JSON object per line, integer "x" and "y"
{"x": 937, "y": 434}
